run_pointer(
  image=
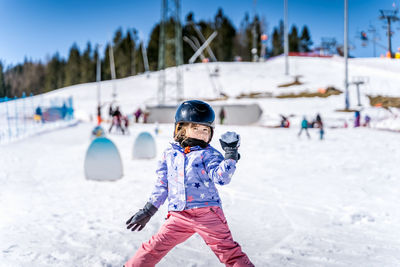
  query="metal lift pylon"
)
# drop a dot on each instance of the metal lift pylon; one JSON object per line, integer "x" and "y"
{"x": 170, "y": 8}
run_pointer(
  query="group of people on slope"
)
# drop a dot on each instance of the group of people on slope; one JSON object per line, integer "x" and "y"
{"x": 317, "y": 123}
{"x": 120, "y": 121}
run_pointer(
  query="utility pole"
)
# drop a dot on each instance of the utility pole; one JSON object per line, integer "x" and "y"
{"x": 374, "y": 39}
{"x": 254, "y": 33}
{"x": 134, "y": 40}
{"x": 174, "y": 11}
{"x": 345, "y": 52}
{"x": 112, "y": 66}
{"x": 286, "y": 37}
{"x": 145, "y": 60}
{"x": 98, "y": 74}
{"x": 390, "y": 16}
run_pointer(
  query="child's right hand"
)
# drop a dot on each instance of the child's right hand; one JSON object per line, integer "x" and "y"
{"x": 142, "y": 217}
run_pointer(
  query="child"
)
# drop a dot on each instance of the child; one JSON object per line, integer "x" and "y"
{"x": 186, "y": 176}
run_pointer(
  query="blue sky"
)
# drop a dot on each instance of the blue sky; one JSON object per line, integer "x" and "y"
{"x": 37, "y": 29}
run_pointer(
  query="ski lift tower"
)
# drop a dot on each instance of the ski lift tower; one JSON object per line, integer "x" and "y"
{"x": 170, "y": 9}
{"x": 390, "y": 16}
{"x": 254, "y": 33}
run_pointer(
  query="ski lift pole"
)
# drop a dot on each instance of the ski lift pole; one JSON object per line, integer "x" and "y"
{"x": 33, "y": 110}
{"x": 286, "y": 37}
{"x": 145, "y": 60}
{"x": 113, "y": 76}
{"x": 8, "y": 118}
{"x": 16, "y": 115}
{"x": 98, "y": 75}
{"x": 358, "y": 94}
{"x": 357, "y": 84}
{"x": 346, "y": 28}
{"x": 23, "y": 110}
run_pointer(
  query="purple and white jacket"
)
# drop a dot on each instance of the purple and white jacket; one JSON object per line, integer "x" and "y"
{"x": 188, "y": 179}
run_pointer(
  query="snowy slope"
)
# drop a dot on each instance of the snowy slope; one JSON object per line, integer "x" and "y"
{"x": 236, "y": 78}
{"x": 292, "y": 201}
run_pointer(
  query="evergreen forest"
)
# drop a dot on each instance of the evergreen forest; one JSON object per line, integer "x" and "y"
{"x": 232, "y": 43}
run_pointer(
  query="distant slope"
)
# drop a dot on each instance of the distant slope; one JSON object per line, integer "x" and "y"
{"x": 236, "y": 78}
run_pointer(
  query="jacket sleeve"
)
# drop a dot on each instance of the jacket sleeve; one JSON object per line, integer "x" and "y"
{"x": 219, "y": 170}
{"x": 160, "y": 191}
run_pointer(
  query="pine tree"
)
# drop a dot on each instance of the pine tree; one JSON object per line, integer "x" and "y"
{"x": 123, "y": 48}
{"x": 249, "y": 33}
{"x": 88, "y": 65}
{"x": 189, "y": 32}
{"x": 170, "y": 43}
{"x": 105, "y": 64}
{"x": 277, "y": 40}
{"x": 223, "y": 43}
{"x": 305, "y": 40}
{"x": 73, "y": 67}
{"x": 139, "y": 63}
{"x": 294, "y": 40}
{"x": 152, "y": 47}
{"x": 241, "y": 42}
{"x": 54, "y": 73}
{"x": 134, "y": 55}
{"x": 118, "y": 54}
{"x": 27, "y": 77}
{"x": 3, "y": 91}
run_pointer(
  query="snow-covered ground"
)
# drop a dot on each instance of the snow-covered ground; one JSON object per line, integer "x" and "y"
{"x": 292, "y": 201}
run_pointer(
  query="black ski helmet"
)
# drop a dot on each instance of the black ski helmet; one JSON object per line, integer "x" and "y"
{"x": 195, "y": 111}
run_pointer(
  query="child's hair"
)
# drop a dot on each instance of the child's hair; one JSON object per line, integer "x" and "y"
{"x": 180, "y": 131}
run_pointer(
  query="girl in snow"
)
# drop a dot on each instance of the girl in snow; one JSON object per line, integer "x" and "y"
{"x": 187, "y": 175}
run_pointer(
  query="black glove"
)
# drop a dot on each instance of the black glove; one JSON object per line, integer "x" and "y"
{"x": 141, "y": 217}
{"x": 230, "y": 142}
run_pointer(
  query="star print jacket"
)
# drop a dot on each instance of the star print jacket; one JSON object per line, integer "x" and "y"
{"x": 188, "y": 179}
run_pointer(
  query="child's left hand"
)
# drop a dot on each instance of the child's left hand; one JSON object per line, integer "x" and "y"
{"x": 230, "y": 142}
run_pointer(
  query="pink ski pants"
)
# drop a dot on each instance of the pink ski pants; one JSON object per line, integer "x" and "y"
{"x": 208, "y": 222}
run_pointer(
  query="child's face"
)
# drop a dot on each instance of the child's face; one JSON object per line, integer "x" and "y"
{"x": 198, "y": 131}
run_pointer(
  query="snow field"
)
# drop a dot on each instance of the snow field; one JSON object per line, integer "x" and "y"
{"x": 292, "y": 201}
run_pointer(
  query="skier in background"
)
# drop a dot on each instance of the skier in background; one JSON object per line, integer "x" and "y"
{"x": 146, "y": 115}
{"x": 320, "y": 125}
{"x": 110, "y": 111}
{"x": 284, "y": 122}
{"x": 304, "y": 126}
{"x": 222, "y": 115}
{"x": 357, "y": 119}
{"x": 137, "y": 115}
{"x": 38, "y": 117}
{"x": 194, "y": 202}
{"x": 367, "y": 120}
{"x": 99, "y": 119}
{"x": 125, "y": 120}
{"x": 116, "y": 120}
{"x": 64, "y": 110}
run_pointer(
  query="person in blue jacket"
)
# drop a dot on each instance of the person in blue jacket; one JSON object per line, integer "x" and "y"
{"x": 188, "y": 173}
{"x": 304, "y": 126}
